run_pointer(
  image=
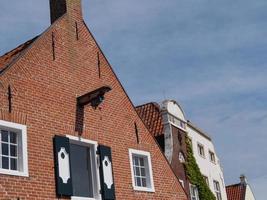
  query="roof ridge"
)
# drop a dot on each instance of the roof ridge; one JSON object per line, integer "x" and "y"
{"x": 5, "y": 64}
{"x": 152, "y": 102}
{"x": 20, "y": 45}
{"x": 233, "y": 185}
{"x": 9, "y": 56}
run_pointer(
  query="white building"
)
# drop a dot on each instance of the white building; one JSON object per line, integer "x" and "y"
{"x": 203, "y": 148}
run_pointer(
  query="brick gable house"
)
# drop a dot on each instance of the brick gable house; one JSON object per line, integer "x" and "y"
{"x": 68, "y": 130}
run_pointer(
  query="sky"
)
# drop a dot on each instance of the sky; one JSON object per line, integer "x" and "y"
{"x": 209, "y": 55}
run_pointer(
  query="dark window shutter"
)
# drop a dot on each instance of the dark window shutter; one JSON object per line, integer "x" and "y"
{"x": 106, "y": 173}
{"x": 62, "y": 166}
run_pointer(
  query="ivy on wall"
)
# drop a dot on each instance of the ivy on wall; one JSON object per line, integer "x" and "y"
{"x": 194, "y": 175}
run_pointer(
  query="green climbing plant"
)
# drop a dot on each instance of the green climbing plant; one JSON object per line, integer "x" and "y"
{"x": 194, "y": 175}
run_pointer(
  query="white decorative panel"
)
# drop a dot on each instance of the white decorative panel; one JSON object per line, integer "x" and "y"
{"x": 64, "y": 165}
{"x": 107, "y": 172}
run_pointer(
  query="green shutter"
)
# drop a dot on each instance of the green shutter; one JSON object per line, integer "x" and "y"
{"x": 106, "y": 173}
{"x": 62, "y": 166}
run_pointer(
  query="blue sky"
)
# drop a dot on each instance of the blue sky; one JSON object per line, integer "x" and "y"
{"x": 208, "y": 55}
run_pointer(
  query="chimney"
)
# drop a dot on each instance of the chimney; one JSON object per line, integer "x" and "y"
{"x": 58, "y": 8}
{"x": 243, "y": 179}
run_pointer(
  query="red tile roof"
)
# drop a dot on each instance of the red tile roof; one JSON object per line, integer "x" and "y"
{"x": 236, "y": 192}
{"x": 151, "y": 115}
{"x": 13, "y": 54}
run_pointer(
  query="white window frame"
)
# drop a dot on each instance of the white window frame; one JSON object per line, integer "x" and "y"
{"x": 95, "y": 163}
{"x": 146, "y": 154}
{"x": 190, "y": 189}
{"x": 216, "y": 190}
{"x": 198, "y": 150}
{"x": 206, "y": 178}
{"x": 212, "y": 153}
{"x": 21, "y": 130}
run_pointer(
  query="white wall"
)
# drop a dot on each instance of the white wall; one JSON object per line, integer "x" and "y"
{"x": 209, "y": 169}
{"x": 173, "y": 108}
{"x": 249, "y": 194}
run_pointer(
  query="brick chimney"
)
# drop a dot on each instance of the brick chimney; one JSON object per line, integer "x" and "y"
{"x": 58, "y": 8}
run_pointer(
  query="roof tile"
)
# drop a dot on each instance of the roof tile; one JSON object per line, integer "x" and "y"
{"x": 151, "y": 115}
{"x": 236, "y": 192}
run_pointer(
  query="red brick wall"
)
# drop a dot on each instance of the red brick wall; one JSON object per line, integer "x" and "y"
{"x": 179, "y": 146}
{"x": 44, "y": 98}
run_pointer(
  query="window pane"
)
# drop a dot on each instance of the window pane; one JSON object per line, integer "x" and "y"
{"x": 144, "y": 182}
{"x": 5, "y": 163}
{"x": 5, "y": 149}
{"x": 137, "y": 170}
{"x": 13, "y": 150}
{"x": 135, "y": 160}
{"x": 13, "y": 163}
{"x": 81, "y": 171}
{"x": 4, "y": 135}
{"x": 142, "y": 162}
{"x": 138, "y": 181}
{"x": 193, "y": 191}
{"x": 13, "y": 138}
{"x": 143, "y": 172}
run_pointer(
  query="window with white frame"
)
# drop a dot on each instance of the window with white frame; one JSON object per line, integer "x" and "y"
{"x": 194, "y": 192}
{"x": 177, "y": 121}
{"x": 141, "y": 169}
{"x": 206, "y": 180}
{"x": 84, "y": 170}
{"x": 13, "y": 149}
{"x": 201, "y": 151}
{"x": 212, "y": 157}
{"x": 217, "y": 190}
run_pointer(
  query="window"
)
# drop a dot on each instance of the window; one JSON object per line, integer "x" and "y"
{"x": 141, "y": 169}
{"x": 13, "y": 149}
{"x": 206, "y": 180}
{"x": 84, "y": 170}
{"x": 194, "y": 192}
{"x": 177, "y": 121}
{"x": 212, "y": 157}
{"x": 200, "y": 148}
{"x": 217, "y": 190}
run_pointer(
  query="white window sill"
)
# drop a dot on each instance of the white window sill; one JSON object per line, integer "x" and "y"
{"x": 213, "y": 162}
{"x": 14, "y": 173}
{"x": 143, "y": 189}
{"x": 82, "y": 198}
